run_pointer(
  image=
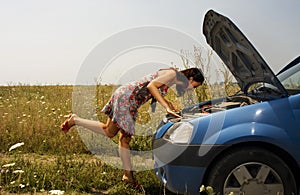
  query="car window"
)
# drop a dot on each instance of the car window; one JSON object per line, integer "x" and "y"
{"x": 290, "y": 78}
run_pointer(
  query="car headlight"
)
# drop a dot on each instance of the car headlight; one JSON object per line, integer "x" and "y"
{"x": 180, "y": 133}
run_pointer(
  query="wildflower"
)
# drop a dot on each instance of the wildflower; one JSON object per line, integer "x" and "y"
{"x": 22, "y": 186}
{"x": 9, "y": 165}
{"x": 13, "y": 182}
{"x": 207, "y": 190}
{"x": 202, "y": 188}
{"x": 210, "y": 190}
{"x": 58, "y": 192}
{"x": 15, "y": 146}
{"x": 18, "y": 171}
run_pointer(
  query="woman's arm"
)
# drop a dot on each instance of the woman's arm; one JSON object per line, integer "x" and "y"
{"x": 165, "y": 77}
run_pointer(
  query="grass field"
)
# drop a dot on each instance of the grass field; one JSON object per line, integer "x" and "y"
{"x": 50, "y": 159}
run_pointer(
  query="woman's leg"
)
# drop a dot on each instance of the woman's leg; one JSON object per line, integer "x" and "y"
{"x": 109, "y": 129}
{"x": 124, "y": 151}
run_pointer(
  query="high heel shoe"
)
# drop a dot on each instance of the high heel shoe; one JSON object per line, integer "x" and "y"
{"x": 134, "y": 184}
{"x": 65, "y": 126}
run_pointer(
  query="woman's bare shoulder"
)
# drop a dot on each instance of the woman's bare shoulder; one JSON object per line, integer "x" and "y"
{"x": 167, "y": 72}
{"x": 166, "y": 76}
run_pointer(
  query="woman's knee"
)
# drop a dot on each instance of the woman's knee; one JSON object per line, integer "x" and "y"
{"x": 110, "y": 129}
{"x": 110, "y": 133}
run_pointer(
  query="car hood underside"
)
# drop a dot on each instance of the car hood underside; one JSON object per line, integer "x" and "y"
{"x": 242, "y": 59}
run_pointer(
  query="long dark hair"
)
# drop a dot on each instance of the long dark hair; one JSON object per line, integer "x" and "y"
{"x": 185, "y": 75}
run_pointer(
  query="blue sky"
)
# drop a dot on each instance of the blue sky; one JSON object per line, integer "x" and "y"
{"x": 46, "y": 42}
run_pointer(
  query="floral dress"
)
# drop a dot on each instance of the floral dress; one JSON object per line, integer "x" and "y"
{"x": 123, "y": 105}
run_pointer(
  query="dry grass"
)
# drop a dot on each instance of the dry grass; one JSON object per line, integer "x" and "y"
{"x": 50, "y": 159}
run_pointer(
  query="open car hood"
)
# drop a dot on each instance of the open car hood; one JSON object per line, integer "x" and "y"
{"x": 236, "y": 51}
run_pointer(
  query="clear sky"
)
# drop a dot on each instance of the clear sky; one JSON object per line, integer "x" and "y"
{"x": 46, "y": 42}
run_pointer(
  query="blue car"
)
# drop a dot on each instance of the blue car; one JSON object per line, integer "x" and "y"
{"x": 248, "y": 143}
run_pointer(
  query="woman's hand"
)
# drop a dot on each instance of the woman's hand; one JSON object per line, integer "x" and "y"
{"x": 172, "y": 109}
{"x": 173, "y": 112}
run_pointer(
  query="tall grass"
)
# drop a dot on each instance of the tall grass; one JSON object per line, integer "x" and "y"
{"x": 50, "y": 159}
{"x": 33, "y": 114}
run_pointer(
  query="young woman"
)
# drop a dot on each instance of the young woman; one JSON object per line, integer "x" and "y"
{"x": 122, "y": 108}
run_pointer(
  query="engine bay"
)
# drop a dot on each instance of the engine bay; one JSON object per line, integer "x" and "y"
{"x": 257, "y": 95}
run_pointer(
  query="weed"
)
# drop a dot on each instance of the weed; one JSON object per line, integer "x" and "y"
{"x": 45, "y": 159}
{"x": 35, "y": 156}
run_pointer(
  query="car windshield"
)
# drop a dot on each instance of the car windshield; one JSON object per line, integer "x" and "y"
{"x": 290, "y": 78}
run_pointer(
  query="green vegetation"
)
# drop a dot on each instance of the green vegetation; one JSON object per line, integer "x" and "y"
{"x": 50, "y": 159}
